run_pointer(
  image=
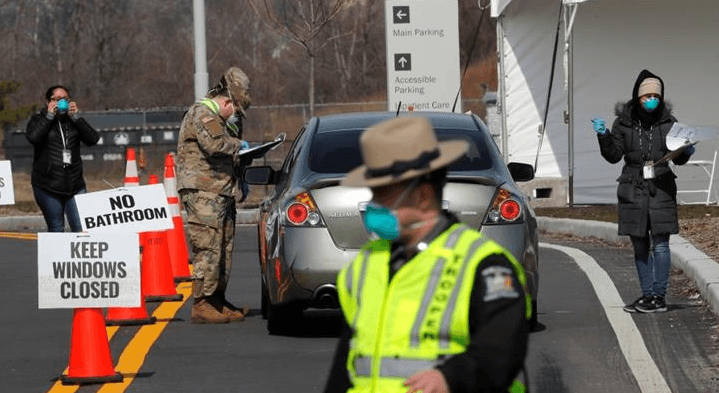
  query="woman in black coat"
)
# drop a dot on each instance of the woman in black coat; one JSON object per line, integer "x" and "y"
{"x": 56, "y": 133}
{"x": 647, "y": 193}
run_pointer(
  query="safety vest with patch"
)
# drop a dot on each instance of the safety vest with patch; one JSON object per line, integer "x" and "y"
{"x": 419, "y": 318}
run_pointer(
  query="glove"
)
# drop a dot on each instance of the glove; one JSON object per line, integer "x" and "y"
{"x": 244, "y": 145}
{"x": 598, "y": 125}
{"x": 690, "y": 150}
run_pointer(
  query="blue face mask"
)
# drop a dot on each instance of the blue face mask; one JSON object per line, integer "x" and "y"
{"x": 383, "y": 221}
{"x": 651, "y": 104}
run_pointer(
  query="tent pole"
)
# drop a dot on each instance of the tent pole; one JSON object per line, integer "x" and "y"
{"x": 570, "y": 108}
{"x": 502, "y": 81}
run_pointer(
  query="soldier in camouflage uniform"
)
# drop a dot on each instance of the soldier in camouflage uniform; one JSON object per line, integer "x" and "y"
{"x": 208, "y": 146}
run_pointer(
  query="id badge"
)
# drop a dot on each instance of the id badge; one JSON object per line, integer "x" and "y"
{"x": 649, "y": 170}
{"x": 66, "y": 156}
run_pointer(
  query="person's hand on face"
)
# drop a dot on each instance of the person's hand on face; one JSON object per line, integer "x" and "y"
{"x": 60, "y": 94}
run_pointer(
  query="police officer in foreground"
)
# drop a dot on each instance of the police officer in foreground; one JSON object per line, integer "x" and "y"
{"x": 208, "y": 147}
{"x": 431, "y": 305}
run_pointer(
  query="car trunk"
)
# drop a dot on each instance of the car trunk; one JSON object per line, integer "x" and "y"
{"x": 468, "y": 201}
{"x": 341, "y": 209}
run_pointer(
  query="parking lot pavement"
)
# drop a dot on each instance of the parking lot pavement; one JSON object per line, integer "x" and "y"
{"x": 695, "y": 264}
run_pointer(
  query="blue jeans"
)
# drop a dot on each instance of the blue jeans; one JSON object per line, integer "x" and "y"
{"x": 653, "y": 261}
{"x": 54, "y": 207}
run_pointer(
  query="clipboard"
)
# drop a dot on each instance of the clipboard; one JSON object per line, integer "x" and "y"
{"x": 674, "y": 153}
{"x": 259, "y": 151}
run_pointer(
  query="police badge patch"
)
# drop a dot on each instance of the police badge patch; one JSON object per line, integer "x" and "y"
{"x": 498, "y": 283}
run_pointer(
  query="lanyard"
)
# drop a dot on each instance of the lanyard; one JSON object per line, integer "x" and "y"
{"x": 62, "y": 134}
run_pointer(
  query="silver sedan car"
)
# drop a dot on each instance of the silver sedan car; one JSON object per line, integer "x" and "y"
{"x": 310, "y": 226}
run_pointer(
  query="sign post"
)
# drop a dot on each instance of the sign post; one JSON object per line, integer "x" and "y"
{"x": 423, "y": 69}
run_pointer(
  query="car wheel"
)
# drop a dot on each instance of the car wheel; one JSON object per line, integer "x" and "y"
{"x": 282, "y": 319}
{"x": 265, "y": 299}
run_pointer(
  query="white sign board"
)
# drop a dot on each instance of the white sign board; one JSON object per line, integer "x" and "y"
{"x": 422, "y": 54}
{"x": 131, "y": 209}
{"x": 7, "y": 193}
{"x": 88, "y": 270}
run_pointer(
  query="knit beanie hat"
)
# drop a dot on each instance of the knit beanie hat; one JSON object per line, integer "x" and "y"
{"x": 650, "y": 86}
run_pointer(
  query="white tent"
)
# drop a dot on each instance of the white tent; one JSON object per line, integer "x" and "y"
{"x": 602, "y": 47}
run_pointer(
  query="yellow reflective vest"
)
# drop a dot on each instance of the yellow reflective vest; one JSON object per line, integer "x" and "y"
{"x": 420, "y": 317}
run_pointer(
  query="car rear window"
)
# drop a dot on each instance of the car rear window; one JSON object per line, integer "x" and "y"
{"x": 338, "y": 151}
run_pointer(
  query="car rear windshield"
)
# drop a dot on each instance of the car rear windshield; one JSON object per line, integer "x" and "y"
{"x": 338, "y": 151}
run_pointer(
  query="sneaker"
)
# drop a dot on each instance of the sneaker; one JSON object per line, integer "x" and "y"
{"x": 656, "y": 305}
{"x": 632, "y": 307}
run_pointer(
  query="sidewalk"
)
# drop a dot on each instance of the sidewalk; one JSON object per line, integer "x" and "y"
{"x": 695, "y": 264}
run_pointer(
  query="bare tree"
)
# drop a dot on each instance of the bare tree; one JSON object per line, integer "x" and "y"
{"x": 358, "y": 50}
{"x": 302, "y": 22}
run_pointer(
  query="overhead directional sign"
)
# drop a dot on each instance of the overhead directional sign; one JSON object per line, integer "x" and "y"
{"x": 423, "y": 69}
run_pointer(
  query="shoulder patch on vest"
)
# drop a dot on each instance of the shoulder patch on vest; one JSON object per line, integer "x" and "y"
{"x": 498, "y": 283}
{"x": 213, "y": 127}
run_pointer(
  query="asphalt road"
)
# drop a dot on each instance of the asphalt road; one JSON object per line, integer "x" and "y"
{"x": 584, "y": 343}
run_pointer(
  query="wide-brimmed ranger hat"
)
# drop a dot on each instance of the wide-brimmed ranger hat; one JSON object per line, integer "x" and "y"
{"x": 399, "y": 149}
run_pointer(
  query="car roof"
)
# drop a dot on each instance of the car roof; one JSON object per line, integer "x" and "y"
{"x": 366, "y": 119}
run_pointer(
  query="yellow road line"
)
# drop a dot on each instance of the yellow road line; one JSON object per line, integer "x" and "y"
{"x": 19, "y": 235}
{"x": 134, "y": 354}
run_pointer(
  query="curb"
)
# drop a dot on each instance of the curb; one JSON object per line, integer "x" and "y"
{"x": 694, "y": 263}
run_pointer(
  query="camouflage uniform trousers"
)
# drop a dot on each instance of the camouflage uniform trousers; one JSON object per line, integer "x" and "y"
{"x": 211, "y": 231}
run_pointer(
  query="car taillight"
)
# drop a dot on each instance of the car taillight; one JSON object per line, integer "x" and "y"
{"x": 504, "y": 208}
{"x": 297, "y": 213}
{"x": 509, "y": 210}
{"x": 302, "y": 211}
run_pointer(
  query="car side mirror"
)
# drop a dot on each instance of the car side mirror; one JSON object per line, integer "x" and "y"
{"x": 520, "y": 171}
{"x": 262, "y": 175}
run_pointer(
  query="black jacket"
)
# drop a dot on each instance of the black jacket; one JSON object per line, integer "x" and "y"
{"x": 49, "y": 173}
{"x": 637, "y": 136}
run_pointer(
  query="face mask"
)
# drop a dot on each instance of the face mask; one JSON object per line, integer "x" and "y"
{"x": 651, "y": 104}
{"x": 234, "y": 124}
{"x": 381, "y": 220}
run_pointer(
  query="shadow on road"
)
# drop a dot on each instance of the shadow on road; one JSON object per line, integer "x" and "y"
{"x": 317, "y": 323}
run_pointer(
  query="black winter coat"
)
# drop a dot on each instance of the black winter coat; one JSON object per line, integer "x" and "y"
{"x": 49, "y": 173}
{"x": 644, "y": 204}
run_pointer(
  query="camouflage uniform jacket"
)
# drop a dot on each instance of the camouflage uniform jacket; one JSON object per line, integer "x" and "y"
{"x": 206, "y": 152}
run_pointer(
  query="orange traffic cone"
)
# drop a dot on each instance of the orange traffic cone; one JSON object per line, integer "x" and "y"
{"x": 158, "y": 283}
{"x": 179, "y": 255}
{"x": 126, "y": 316}
{"x": 132, "y": 179}
{"x": 130, "y": 315}
{"x": 90, "y": 357}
